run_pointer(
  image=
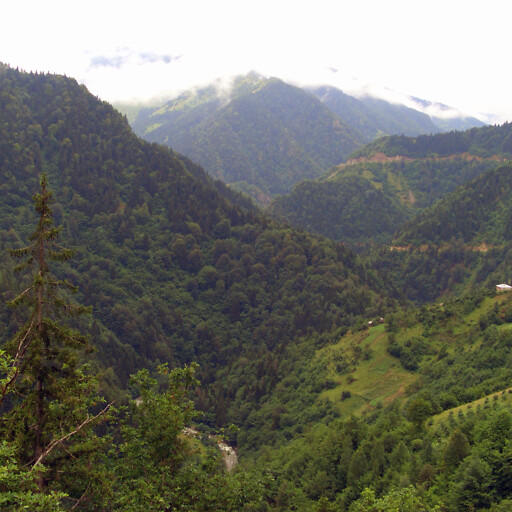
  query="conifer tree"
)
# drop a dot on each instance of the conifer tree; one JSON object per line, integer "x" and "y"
{"x": 46, "y": 397}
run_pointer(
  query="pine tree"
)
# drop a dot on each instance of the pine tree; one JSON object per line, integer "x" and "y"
{"x": 46, "y": 397}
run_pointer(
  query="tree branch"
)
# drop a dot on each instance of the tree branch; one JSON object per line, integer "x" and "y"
{"x": 20, "y": 352}
{"x": 55, "y": 442}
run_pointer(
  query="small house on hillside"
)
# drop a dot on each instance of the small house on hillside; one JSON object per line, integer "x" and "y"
{"x": 503, "y": 288}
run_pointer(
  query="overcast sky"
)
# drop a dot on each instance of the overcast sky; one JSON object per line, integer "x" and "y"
{"x": 452, "y": 51}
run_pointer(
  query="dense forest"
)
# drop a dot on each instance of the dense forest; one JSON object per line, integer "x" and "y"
{"x": 390, "y": 181}
{"x": 355, "y": 209}
{"x": 462, "y": 242}
{"x": 444, "y": 445}
{"x": 368, "y": 201}
{"x": 478, "y": 212}
{"x": 183, "y": 305}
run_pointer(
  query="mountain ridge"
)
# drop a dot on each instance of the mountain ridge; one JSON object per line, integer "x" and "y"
{"x": 397, "y": 177}
{"x": 288, "y": 328}
{"x": 262, "y": 136}
{"x": 268, "y": 136}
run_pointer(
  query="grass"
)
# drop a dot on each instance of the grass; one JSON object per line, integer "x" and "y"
{"x": 375, "y": 377}
{"x": 366, "y": 376}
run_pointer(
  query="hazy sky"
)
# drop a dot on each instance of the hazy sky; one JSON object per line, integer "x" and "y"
{"x": 451, "y": 51}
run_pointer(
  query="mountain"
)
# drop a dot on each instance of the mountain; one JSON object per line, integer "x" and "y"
{"x": 445, "y": 117}
{"x": 425, "y": 405}
{"x": 374, "y": 117}
{"x": 389, "y": 181}
{"x": 462, "y": 242}
{"x": 265, "y": 137}
{"x": 177, "y": 267}
{"x": 479, "y": 212}
{"x": 484, "y": 142}
{"x": 343, "y": 399}
{"x": 353, "y": 208}
{"x": 262, "y": 136}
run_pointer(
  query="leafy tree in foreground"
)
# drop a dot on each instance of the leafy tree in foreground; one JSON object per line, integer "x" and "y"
{"x": 156, "y": 466}
{"x": 402, "y": 500}
{"x": 46, "y": 397}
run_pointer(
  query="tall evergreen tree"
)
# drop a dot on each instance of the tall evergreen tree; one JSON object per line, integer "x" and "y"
{"x": 47, "y": 397}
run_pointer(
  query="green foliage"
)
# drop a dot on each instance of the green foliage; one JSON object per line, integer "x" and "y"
{"x": 351, "y": 209}
{"x": 456, "y": 449}
{"x": 365, "y": 202}
{"x": 475, "y": 213}
{"x": 418, "y": 410}
{"x": 403, "y": 500}
{"x": 405, "y": 453}
{"x": 177, "y": 271}
{"x": 50, "y": 458}
{"x": 176, "y": 267}
{"x": 390, "y": 181}
{"x": 47, "y": 395}
{"x": 18, "y": 487}
{"x": 153, "y": 464}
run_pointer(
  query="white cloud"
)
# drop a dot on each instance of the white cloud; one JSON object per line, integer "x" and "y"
{"x": 451, "y": 52}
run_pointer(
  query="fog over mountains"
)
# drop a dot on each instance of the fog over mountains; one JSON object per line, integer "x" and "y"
{"x": 264, "y": 135}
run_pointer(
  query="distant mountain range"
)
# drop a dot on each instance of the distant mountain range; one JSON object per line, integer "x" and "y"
{"x": 263, "y": 139}
{"x": 445, "y": 117}
{"x": 263, "y": 136}
{"x": 374, "y": 117}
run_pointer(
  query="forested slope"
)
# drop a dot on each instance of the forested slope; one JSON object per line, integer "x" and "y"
{"x": 367, "y": 200}
{"x": 478, "y": 212}
{"x": 432, "y": 432}
{"x": 461, "y": 242}
{"x": 175, "y": 270}
{"x": 334, "y": 413}
{"x": 266, "y": 136}
{"x": 397, "y": 177}
{"x": 484, "y": 142}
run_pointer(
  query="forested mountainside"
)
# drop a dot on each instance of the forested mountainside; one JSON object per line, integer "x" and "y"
{"x": 479, "y": 212}
{"x": 263, "y": 136}
{"x": 483, "y": 142}
{"x": 343, "y": 401}
{"x": 266, "y": 137}
{"x": 425, "y": 403}
{"x": 353, "y": 209}
{"x": 368, "y": 199}
{"x": 174, "y": 269}
{"x": 373, "y": 117}
{"x": 461, "y": 242}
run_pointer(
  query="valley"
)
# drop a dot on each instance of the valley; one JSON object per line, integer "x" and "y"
{"x": 345, "y": 374}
